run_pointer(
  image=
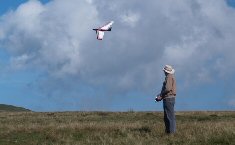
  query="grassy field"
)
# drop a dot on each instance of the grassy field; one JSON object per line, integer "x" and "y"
{"x": 10, "y": 108}
{"x": 108, "y": 128}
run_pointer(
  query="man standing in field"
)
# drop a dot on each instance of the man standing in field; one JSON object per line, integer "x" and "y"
{"x": 168, "y": 94}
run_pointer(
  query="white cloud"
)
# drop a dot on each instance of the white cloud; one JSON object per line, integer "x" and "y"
{"x": 19, "y": 62}
{"x": 195, "y": 36}
{"x": 130, "y": 18}
{"x": 186, "y": 47}
{"x": 27, "y": 16}
{"x": 1, "y": 34}
{"x": 90, "y": 1}
{"x": 50, "y": 33}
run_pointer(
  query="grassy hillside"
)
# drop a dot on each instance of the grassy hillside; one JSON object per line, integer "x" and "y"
{"x": 127, "y": 128}
{"x": 10, "y": 108}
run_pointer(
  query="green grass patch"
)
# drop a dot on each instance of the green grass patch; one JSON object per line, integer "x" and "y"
{"x": 127, "y": 128}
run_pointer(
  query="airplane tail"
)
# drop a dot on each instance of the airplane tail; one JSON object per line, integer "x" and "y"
{"x": 95, "y": 30}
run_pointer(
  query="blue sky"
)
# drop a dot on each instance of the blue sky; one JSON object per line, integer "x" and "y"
{"x": 50, "y": 59}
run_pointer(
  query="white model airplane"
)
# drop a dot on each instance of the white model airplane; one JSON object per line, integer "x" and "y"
{"x": 100, "y": 31}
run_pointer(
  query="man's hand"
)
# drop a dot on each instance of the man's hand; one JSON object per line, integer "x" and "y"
{"x": 158, "y": 98}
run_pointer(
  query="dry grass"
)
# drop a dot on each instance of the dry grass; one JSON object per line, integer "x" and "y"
{"x": 127, "y": 128}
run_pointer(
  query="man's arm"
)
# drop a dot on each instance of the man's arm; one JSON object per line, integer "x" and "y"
{"x": 161, "y": 95}
{"x": 169, "y": 83}
{"x": 167, "y": 86}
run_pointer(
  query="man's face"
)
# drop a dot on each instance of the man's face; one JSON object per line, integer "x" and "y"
{"x": 165, "y": 73}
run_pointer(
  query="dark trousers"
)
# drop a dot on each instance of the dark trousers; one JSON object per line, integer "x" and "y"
{"x": 169, "y": 115}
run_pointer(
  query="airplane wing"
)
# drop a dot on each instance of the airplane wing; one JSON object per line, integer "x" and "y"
{"x": 100, "y": 35}
{"x": 107, "y": 26}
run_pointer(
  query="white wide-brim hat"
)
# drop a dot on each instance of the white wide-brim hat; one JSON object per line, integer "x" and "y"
{"x": 169, "y": 69}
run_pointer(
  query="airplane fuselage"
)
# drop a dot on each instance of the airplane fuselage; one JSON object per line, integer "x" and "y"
{"x": 103, "y": 29}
